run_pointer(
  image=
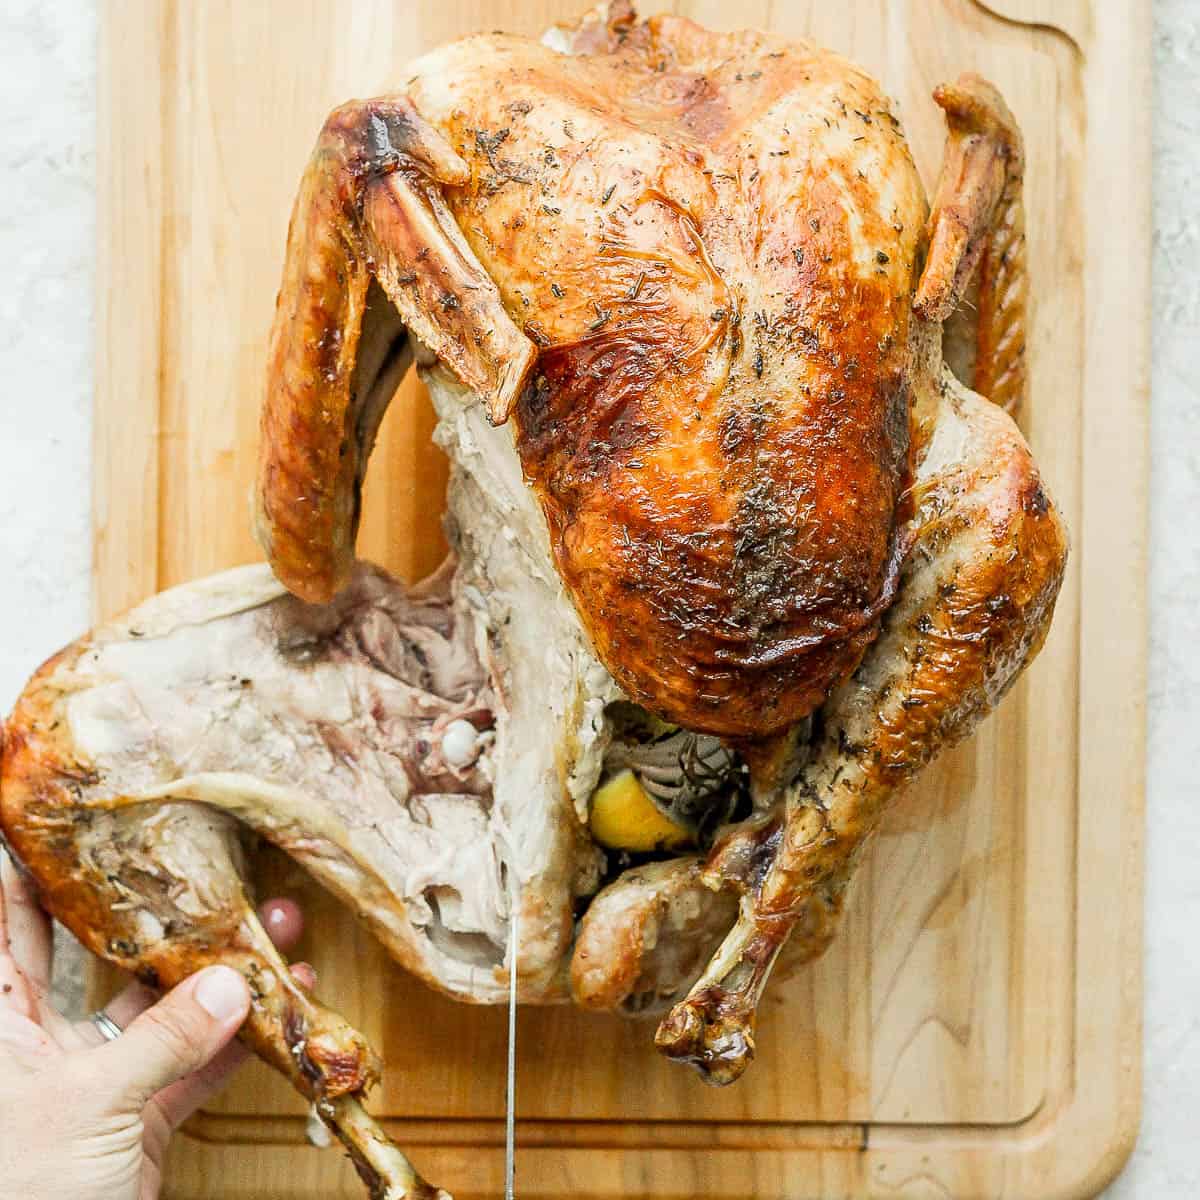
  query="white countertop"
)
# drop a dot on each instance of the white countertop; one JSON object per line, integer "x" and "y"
{"x": 47, "y": 156}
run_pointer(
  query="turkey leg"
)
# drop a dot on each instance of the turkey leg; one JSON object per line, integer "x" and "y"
{"x": 158, "y": 892}
{"x": 132, "y": 756}
{"x": 977, "y": 590}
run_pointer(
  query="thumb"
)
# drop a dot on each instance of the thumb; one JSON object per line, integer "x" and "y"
{"x": 173, "y": 1038}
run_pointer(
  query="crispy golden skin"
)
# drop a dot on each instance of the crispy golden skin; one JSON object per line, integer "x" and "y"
{"x": 722, "y": 252}
{"x": 712, "y": 242}
{"x": 369, "y": 208}
{"x": 985, "y": 563}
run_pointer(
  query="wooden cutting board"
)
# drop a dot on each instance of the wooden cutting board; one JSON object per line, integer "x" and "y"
{"x": 975, "y": 1031}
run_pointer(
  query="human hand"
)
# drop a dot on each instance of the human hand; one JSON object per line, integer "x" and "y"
{"x": 89, "y": 1118}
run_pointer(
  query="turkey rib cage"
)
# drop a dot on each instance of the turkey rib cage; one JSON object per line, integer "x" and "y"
{"x": 682, "y": 308}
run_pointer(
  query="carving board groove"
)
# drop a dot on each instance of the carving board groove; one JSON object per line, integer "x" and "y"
{"x": 975, "y": 1031}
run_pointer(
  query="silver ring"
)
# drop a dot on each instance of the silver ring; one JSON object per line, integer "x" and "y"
{"x": 109, "y": 1029}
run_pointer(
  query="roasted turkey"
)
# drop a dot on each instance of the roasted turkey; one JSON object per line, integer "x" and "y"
{"x": 735, "y": 552}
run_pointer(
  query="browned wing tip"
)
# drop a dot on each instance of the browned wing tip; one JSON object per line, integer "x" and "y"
{"x": 983, "y": 161}
{"x": 511, "y": 376}
{"x": 973, "y": 104}
{"x": 381, "y": 135}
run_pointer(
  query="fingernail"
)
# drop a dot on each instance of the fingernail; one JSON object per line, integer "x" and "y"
{"x": 221, "y": 992}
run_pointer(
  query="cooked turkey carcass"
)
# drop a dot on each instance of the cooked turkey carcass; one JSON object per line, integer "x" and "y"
{"x": 735, "y": 552}
{"x": 426, "y": 754}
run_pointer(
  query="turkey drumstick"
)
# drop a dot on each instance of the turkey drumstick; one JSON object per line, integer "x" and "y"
{"x": 132, "y": 756}
{"x": 983, "y": 568}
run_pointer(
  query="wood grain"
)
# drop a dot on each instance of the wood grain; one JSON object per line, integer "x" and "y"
{"x": 975, "y": 1032}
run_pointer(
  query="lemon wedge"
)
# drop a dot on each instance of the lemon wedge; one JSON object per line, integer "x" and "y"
{"x": 625, "y": 818}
